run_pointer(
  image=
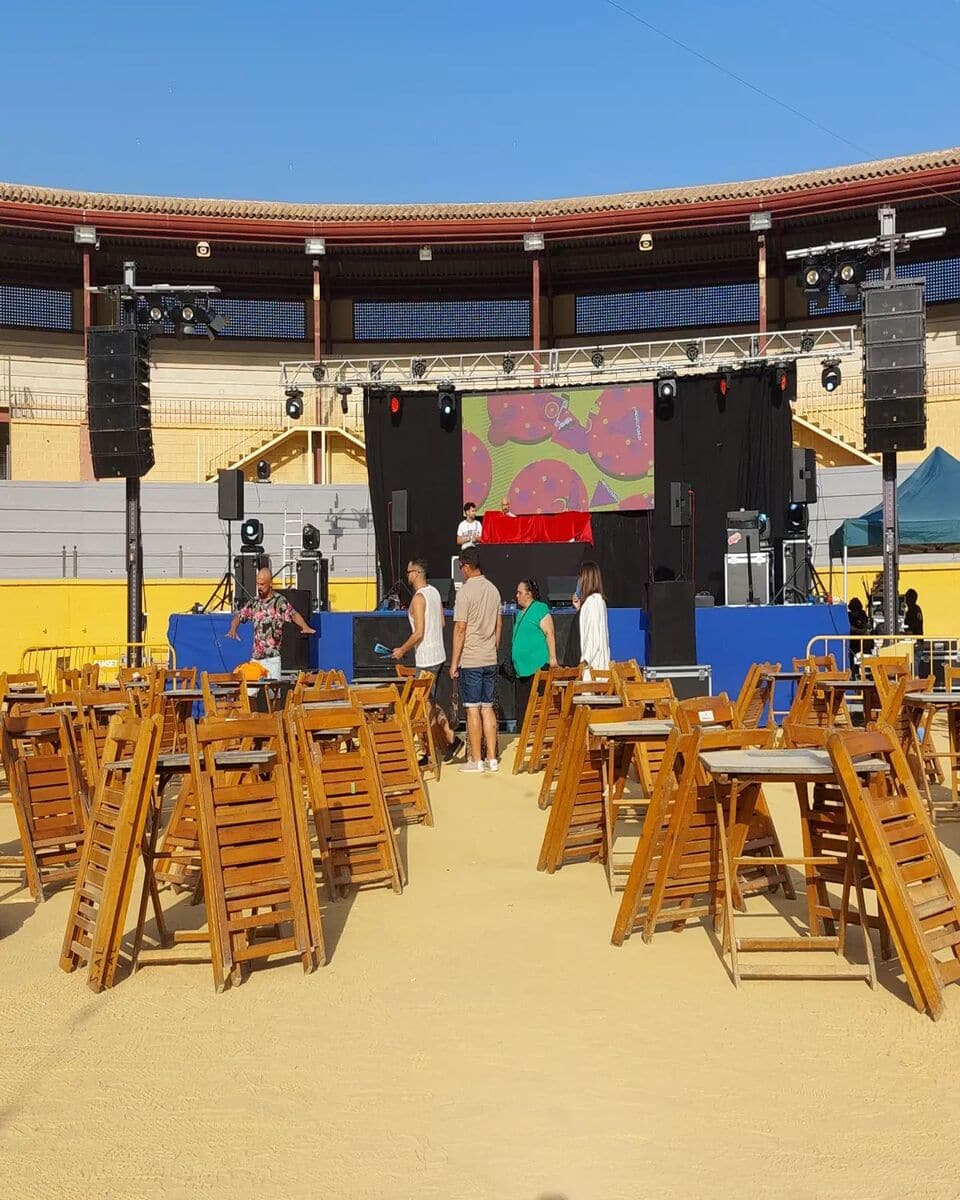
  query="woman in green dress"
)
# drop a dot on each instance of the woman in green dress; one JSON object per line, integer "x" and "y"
{"x": 534, "y": 644}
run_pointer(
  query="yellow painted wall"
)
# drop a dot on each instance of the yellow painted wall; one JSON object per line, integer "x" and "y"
{"x": 45, "y": 451}
{"x": 937, "y": 586}
{"x": 81, "y": 611}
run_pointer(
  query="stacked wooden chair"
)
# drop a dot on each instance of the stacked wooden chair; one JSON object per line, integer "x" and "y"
{"x": 545, "y": 726}
{"x": 231, "y": 698}
{"x": 104, "y": 881}
{"x": 559, "y": 744}
{"x": 655, "y": 700}
{"x": 395, "y": 755}
{"x": 916, "y": 889}
{"x": 756, "y": 695}
{"x": 415, "y": 700}
{"x": 530, "y": 720}
{"x": 49, "y": 797}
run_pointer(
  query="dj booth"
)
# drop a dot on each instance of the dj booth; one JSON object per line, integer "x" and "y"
{"x": 540, "y": 546}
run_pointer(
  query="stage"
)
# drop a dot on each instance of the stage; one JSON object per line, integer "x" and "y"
{"x": 728, "y": 639}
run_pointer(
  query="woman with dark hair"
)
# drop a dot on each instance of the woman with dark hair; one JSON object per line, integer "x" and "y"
{"x": 594, "y": 636}
{"x": 534, "y": 643}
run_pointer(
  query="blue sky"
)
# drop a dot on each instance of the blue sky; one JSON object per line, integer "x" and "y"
{"x": 378, "y": 102}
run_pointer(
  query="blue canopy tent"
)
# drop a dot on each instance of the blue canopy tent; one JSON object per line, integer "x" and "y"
{"x": 928, "y": 515}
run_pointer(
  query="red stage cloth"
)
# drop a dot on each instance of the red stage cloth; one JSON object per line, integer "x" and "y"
{"x": 499, "y": 529}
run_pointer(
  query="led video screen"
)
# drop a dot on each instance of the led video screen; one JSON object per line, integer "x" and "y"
{"x": 549, "y": 451}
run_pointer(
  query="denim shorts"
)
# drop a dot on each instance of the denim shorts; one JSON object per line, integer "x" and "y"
{"x": 476, "y": 686}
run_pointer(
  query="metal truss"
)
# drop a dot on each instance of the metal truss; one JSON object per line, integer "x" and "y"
{"x": 595, "y": 363}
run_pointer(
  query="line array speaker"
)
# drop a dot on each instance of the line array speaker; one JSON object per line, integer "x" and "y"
{"x": 118, "y": 403}
{"x": 230, "y": 495}
{"x": 894, "y": 367}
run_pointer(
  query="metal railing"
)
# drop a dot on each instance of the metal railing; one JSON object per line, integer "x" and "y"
{"x": 920, "y": 651}
{"x": 47, "y": 661}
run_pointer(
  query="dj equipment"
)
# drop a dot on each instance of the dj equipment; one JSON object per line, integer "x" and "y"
{"x": 230, "y": 495}
{"x": 687, "y": 681}
{"x": 671, "y": 629}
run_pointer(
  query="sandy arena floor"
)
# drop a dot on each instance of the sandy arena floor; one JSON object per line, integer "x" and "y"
{"x": 476, "y": 1037}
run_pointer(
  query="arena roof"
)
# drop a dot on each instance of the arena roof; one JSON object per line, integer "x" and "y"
{"x": 829, "y": 189}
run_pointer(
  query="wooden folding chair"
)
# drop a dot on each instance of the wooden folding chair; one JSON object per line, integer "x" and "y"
{"x": 756, "y": 695}
{"x": 394, "y": 753}
{"x": 885, "y": 670}
{"x": 529, "y": 721}
{"x": 95, "y": 711}
{"x": 236, "y": 701}
{"x": 354, "y": 830}
{"x": 815, "y": 663}
{"x": 951, "y": 678}
{"x": 916, "y": 889}
{"x": 258, "y": 878}
{"x": 549, "y": 715}
{"x": 564, "y": 723}
{"x": 655, "y": 700}
{"x": 177, "y": 678}
{"x": 701, "y": 712}
{"x": 628, "y": 671}
{"x": 49, "y": 799}
{"x": 101, "y": 897}
{"x": 415, "y": 700}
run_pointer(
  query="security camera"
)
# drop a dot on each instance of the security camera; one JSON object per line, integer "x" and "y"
{"x": 646, "y": 241}
{"x": 203, "y": 249}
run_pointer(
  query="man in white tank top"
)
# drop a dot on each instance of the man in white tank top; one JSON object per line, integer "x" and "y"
{"x": 426, "y": 641}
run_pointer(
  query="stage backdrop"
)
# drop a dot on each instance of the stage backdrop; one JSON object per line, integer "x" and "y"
{"x": 548, "y": 451}
{"x": 733, "y": 451}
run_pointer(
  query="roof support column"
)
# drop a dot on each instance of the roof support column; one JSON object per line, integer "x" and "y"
{"x": 86, "y": 462}
{"x": 762, "y": 286}
{"x": 535, "y": 317}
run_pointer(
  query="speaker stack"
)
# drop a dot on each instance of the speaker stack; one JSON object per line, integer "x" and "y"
{"x": 894, "y": 366}
{"x": 118, "y": 403}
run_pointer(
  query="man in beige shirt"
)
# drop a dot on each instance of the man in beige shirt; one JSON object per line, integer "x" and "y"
{"x": 476, "y": 639}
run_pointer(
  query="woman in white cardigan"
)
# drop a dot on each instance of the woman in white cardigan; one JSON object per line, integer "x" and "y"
{"x": 594, "y": 636}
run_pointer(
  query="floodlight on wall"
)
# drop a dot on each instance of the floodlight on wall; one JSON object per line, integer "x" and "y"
{"x": 263, "y": 470}
{"x": 202, "y": 249}
{"x": 760, "y": 222}
{"x": 315, "y": 246}
{"x": 646, "y": 242}
{"x": 426, "y": 254}
{"x": 85, "y": 235}
{"x": 533, "y": 241}
{"x": 815, "y": 280}
{"x": 665, "y": 392}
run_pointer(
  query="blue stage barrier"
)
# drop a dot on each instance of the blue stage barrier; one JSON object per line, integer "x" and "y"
{"x": 729, "y": 639}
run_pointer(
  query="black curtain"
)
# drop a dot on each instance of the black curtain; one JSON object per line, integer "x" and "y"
{"x": 734, "y": 451}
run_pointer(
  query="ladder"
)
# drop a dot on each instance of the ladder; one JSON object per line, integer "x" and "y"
{"x": 292, "y": 544}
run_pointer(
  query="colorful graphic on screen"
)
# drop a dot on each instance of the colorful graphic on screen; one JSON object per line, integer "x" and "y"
{"x": 551, "y": 451}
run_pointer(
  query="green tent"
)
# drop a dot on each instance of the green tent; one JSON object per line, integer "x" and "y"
{"x": 928, "y": 514}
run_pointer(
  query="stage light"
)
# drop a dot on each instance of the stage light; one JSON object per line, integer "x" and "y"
{"x": 797, "y": 519}
{"x": 263, "y": 470}
{"x": 806, "y": 342}
{"x": 294, "y": 404}
{"x": 850, "y": 274}
{"x": 509, "y": 362}
{"x": 666, "y": 394}
{"x": 251, "y": 532}
{"x": 597, "y": 359}
{"x": 723, "y": 382}
{"x": 187, "y": 314}
{"x": 318, "y": 372}
{"x": 310, "y": 538}
{"x": 395, "y": 402}
{"x": 780, "y": 376}
{"x": 155, "y": 313}
{"x": 447, "y": 399}
{"x": 418, "y": 368}
{"x": 343, "y": 391}
{"x": 815, "y": 280}
{"x": 315, "y": 246}
{"x": 830, "y": 376}
{"x": 375, "y": 369}
{"x": 692, "y": 351}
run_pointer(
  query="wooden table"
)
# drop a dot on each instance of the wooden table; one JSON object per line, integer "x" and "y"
{"x": 16, "y": 696}
{"x": 866, "y": 688}
{"x": 598, "y": 701}
{"x": 377, "y": 681}
{"x": 925, "y": 706}
{"x": 737, "y": 778}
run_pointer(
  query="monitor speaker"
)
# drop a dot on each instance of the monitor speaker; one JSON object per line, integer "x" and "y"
{"x": 804, "y": 487}
{"x": 230, "y": 495}
{"x": 680, "y": 505}
{"x": 399, "y": 515}
{"x": 671, "y": 628}
{"x": 118, "y": 403}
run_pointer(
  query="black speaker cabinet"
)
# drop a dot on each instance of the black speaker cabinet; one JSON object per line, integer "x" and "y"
{"x": 671, "y": 629}
{"x": 560, "y": 589}
{"x": 230, "y": 495}
{"x": 804, "y": 486}
{"x": 313, "y": 577}
{"x": 245, "y": 568}
{"x": 118, "y": 403}
{"x": 294, "y": 645}
{"x": 894, "y": 367}
{"x": 680, "y": 505}
{"x": 399, "y": 515}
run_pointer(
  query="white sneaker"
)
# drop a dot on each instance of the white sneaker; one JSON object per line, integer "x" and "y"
{"x": 472, "y": 768}
{"x": 493, "y": 764}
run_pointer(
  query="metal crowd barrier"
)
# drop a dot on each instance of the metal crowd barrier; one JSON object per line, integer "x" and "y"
{"x": 49, "y": 660}
{"x": 929, "y": 653}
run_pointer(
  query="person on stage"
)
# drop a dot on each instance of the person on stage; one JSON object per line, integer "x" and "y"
{"x": 594, "y": 635}
{"x": 426, "y": 642}
{"x": 470, "y": 529}
{"x": 505, "y": 508}
{"x": 534, "y": 641}
{"x": 268, "y": 613}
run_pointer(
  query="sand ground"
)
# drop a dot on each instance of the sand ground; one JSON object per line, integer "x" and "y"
{"x": 476, "y": 1037}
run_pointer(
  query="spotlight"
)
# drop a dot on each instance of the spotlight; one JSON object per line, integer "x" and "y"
{"x": 597, "y": 359}
{"x": 723, "y": 382}
{"x": 666, "y": 394}
{"x": 509, "y": 363}
{"x": 395, "y": 402}
{"x": 155, "y": 313}
{"x": 447, "y": 399}
{"x": 850, "y": 274}
{"x": 763, "y": 527}
{"x": 375, "y": 369}
{"x": 251, "y": 531}
{"x": 294, "y": 405}
{"x": 797, "y": 518}
{"x": 780, "y": 376}
{"x": 318, "y": 372}
{"x": 815, "y": 280}
{"x": 263, "y": 470}
{"x": 806, "y": 342}
{"x": 830, "y": 376}
{"x": 692, "y": 351}
{"x": 188, "y": 313}
{"x": 343, "y": 391}
{"x": 418, "y": 368}
{"x": 310, "y": 538}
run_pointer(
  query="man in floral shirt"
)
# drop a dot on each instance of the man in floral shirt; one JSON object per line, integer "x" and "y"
{"x": 268, "y": 613}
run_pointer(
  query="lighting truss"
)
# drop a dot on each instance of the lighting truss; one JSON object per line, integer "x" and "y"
{"x": 575, "y": 364}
